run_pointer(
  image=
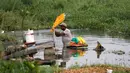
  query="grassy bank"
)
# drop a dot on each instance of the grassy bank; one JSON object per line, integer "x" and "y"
{"x": 32, "y": 67}
{"x": 106, "y": 15}
{"x": 98, "y": 69}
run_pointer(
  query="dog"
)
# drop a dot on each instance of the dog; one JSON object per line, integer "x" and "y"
{"x": 99, "y": 47}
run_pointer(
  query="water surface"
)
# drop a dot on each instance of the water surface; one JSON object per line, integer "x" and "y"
{"x": 111, "y": 44}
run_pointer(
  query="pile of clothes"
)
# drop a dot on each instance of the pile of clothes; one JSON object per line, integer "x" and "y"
{"x": 78, "y": 41}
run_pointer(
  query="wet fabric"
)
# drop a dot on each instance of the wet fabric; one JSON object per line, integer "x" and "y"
{"x": 77, "y": 41}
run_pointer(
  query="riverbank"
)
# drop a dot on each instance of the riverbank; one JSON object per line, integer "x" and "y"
{"x": 98, "y": 69}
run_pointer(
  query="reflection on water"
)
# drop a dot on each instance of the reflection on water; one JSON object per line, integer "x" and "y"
{"x": 76, "y": 53}
{"x": 98, "y": 53}
{"x": 90, "y": 56}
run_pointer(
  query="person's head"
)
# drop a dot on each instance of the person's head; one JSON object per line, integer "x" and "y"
{"x": 63, "y": 26}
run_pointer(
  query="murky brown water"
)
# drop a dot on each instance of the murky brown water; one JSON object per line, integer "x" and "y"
{"x": 109, "y": 56}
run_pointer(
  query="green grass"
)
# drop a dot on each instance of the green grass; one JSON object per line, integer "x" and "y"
{"x": 98, "y": 68}
{"x": 112, "y": 16}
{"x": 15, "y": 67}
{"x": 119, "y": 71}
{"x": 115, "y": 68}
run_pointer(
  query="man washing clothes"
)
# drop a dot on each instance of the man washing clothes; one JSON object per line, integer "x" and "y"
{"x": 66, "y": 37}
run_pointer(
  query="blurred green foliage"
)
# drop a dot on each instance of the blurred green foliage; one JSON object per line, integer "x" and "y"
{"x": 106, "y": 15}
{"x": 26, "y": 67}
{"x": 5, "y": 38}
{"x": 15, "y": 67}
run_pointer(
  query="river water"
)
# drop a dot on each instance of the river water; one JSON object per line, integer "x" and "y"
{"x": 111, "y": 44}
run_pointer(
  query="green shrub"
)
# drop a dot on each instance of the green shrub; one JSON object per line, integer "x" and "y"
{"x": 25, "y": 67}
{"x": 102, "y": 15}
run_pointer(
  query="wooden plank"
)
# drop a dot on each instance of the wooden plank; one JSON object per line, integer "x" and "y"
{"x": 46, "y": 62}
{"x": 45, "y": 45}
{"x": 22, "y": 53}
{"x": 31, "y": 50}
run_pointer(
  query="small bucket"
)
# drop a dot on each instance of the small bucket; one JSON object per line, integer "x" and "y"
{"x": 29, "y": 36}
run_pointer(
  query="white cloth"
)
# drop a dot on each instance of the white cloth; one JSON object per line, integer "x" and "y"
{"x": 67, "y": 37}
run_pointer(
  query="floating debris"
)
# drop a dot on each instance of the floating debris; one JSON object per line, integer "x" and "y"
{"x": 119, "y": 52}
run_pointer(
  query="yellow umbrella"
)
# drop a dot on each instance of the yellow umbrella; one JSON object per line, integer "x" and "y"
{"x": 58, "y": 20}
